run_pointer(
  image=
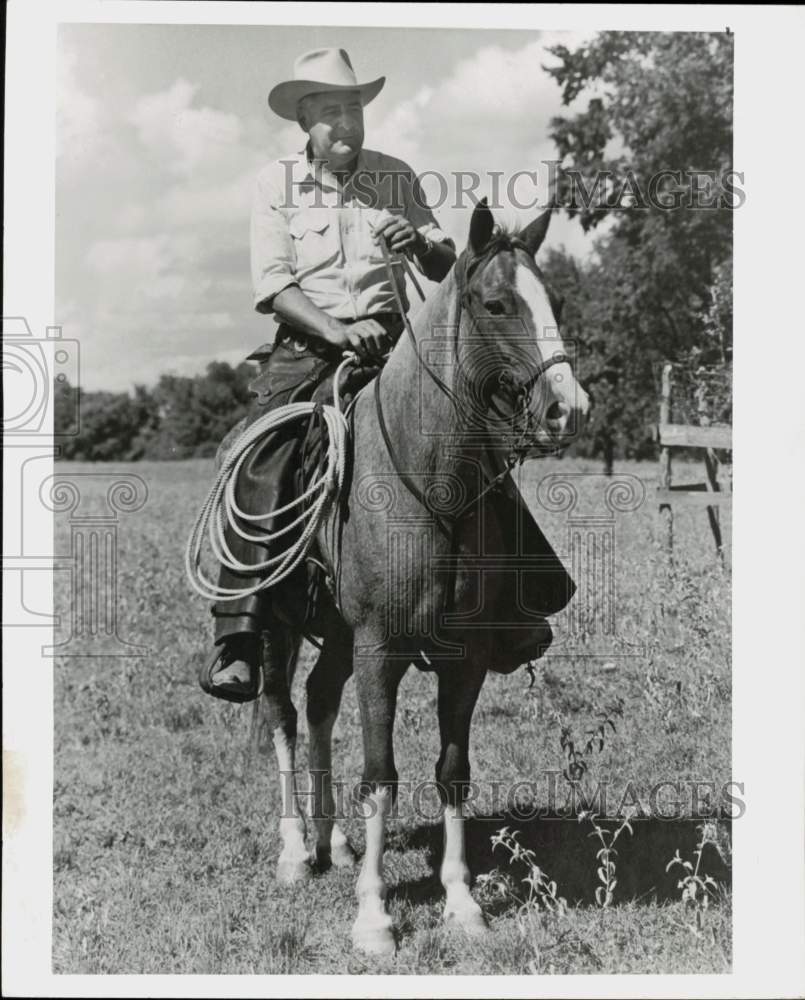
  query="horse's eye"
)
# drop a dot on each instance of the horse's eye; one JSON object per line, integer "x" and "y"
{"x": 495, "y": 307}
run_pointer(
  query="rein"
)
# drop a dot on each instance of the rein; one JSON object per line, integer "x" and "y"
{"x": 523, "y": 390}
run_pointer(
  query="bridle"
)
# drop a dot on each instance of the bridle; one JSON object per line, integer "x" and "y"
{"x": 466, "y": 266}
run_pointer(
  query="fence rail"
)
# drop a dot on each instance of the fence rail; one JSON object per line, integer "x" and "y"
{"x": 703, "y": 437}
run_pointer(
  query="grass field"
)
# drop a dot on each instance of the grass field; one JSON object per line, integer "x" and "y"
{"x": 165, "y": 815}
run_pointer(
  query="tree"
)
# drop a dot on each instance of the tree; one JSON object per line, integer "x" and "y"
{"x": 657, "y": 127}
{"x": 194, "y": 414}
{"x": 109, "y": 424}
{"x": 181, "y": 417}
{"x": 65, "y": 411}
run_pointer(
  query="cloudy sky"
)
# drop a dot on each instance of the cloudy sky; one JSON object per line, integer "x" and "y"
{"x": 161, "y": 130}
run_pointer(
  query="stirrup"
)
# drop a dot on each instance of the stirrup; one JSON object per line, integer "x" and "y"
{"x": 234, "y": 691}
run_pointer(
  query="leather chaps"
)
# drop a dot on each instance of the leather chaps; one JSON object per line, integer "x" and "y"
{"x": 290, "y": 372}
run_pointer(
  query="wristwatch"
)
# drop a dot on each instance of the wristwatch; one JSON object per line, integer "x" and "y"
{"x": 428, "y": 248}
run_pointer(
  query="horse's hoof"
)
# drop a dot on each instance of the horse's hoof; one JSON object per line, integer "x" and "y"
{"x": 374, "y": 939}
{"x": 469, "y": 918}
{"x": 293, "y": 872}
{"x": 343, "y": 856}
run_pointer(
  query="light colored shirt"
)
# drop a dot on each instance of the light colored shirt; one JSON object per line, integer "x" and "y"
{"x": 309, "y": 230}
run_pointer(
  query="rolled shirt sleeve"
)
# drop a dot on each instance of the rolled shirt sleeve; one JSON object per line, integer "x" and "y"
{"x": 273, "y": 258}
{"x": 420, "y": 215}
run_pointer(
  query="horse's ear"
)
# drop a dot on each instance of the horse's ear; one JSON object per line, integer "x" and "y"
{"x": 481, "y": 226}
{"x": 534, "y": 233}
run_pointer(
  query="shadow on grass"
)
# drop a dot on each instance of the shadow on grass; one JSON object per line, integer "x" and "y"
{"x": 565, "y": 850}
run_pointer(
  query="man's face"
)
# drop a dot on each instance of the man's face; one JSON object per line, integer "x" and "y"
{"x": 334, "y": 122}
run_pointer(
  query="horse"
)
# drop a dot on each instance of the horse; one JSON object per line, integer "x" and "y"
{"x": 473, "y": 376}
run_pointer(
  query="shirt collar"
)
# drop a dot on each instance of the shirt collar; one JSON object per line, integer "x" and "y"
{"x": 305, "y": 172}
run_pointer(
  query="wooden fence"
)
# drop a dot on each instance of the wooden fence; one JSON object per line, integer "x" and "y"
{"x": 708, "y": 494}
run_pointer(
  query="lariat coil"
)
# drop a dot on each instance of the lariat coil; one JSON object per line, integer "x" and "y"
{"x": 220, "y": 509}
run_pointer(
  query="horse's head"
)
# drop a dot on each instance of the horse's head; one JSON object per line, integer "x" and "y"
{"x": 512, "y": 358}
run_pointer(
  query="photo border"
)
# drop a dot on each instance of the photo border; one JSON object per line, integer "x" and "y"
{"x": 768, "y": 729}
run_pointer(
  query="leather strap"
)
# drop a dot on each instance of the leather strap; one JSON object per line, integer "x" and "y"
{"x": 465, "y": 266}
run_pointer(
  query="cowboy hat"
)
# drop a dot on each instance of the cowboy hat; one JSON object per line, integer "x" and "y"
{"x": 317, "y": 71}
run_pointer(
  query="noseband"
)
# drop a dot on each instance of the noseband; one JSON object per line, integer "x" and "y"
{"x": 466, "y": 266}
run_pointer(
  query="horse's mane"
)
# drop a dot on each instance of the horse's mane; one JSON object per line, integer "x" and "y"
{"x": 503, "y": 238}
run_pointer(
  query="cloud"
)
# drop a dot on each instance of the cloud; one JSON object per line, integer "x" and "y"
{"x": 497, "y": 85}
{"x": 203, "y": 160}
{"x": 496, "y": 103}
{"x": 192, "y": 364}
{"x": 185, "y": 138}
{"x": 138, "y": 269}
{"x": 489, "y": 114}
{"x": 164, "y": 275}
{"x": 400, "y": 130}
{"x": 176, "y": 299}
{"x": 78, "y": 118}
{"x": 222, "y": 201}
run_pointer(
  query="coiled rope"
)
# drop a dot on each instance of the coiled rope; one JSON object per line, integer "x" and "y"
{"x": 220, "y": 508}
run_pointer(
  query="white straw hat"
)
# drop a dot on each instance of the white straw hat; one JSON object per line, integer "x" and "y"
{"x": 317, "y": 71}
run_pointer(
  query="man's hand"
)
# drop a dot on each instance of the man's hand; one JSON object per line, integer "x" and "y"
{"x": 400, "y": 235}
{"x": 434, "y": 259}
{"x": 366, "y": 338}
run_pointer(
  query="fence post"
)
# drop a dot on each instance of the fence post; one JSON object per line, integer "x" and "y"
{"x": 666, "y": 512}
{"x": 711, "y": 469}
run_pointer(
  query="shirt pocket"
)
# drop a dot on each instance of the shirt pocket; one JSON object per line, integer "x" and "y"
{"x": 365, "y": 221}
{"x": 315, "y": 239}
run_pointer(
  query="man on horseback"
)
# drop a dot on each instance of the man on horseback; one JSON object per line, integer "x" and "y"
{"x": 318, "y": 220}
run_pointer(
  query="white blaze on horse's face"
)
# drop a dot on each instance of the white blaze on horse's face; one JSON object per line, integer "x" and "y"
{"x": 565, "y": 402}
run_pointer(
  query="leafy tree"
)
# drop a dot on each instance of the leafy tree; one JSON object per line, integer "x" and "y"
{"x": 178, "y": 430}
{"x": 109, "y": 423}
{"x": 65, "y": 410}
{"x": 659, "y": 286}
{"x": 181, "y": 417}
{"x": 195, "y": 413}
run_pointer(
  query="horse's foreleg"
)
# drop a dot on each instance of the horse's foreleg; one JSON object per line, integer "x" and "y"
{"x": 377, "y": 679}
{"x": 459, "y": 687}
{"x": 324, "y": 687}
{"x": 278, "y": 669}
